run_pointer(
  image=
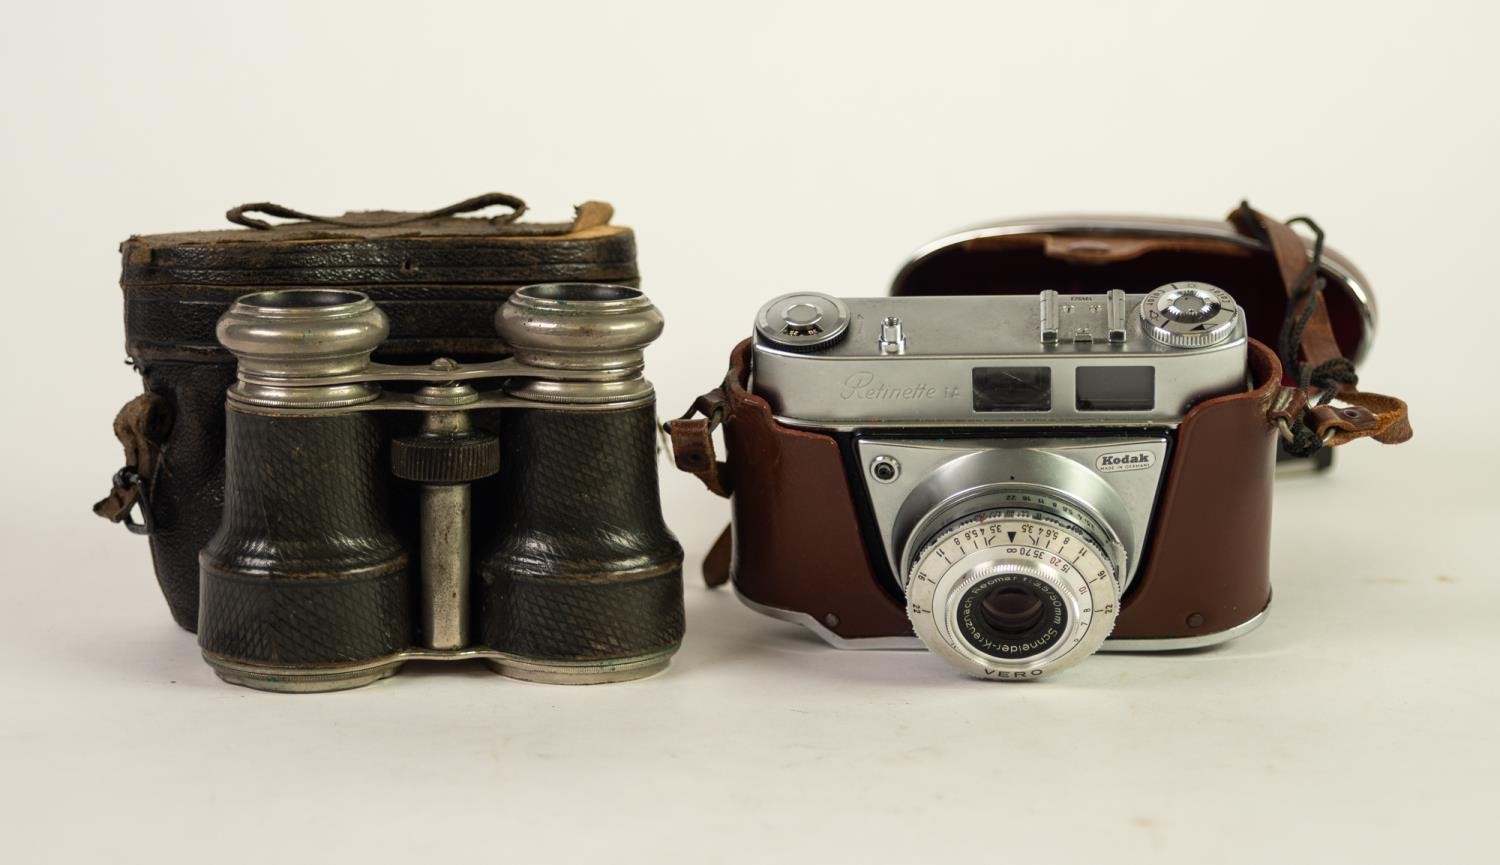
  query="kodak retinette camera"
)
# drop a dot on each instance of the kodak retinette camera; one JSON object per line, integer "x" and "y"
{"x": 993, "y": 474}
{"x": 1059, "y": 435}
{"x": 504, "y": 510}
{"x": 1009, "y": 452}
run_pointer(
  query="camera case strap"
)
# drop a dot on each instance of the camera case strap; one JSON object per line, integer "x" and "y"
{"x": 1310, "y": 351}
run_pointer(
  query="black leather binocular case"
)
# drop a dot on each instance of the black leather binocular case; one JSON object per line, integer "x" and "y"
{"x": 375, "y": 514}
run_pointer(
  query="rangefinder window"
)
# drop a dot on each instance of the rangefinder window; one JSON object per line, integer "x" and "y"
{"x": 1012, "y": 388}
{"x": 1116, "y": 388}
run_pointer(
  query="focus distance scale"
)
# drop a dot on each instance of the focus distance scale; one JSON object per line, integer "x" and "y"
{"x": 1012, "y": 593}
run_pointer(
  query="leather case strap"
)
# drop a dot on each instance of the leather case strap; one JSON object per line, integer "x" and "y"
{"x": 693, "y": 440}
{"x": 693, "y": 452}
{"x": 142, "y": 425}
{"x": 1311, "y": 353}
{"x": 517, "y": 207}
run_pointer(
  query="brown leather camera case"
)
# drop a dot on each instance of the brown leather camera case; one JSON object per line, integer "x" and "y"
{"x": 797, "y": 544}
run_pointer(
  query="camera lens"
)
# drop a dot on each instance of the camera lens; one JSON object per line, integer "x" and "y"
{"x": 1012, "y": 615}
{"x": 1011, "y": 609}
{"x": 1014, "y": 593}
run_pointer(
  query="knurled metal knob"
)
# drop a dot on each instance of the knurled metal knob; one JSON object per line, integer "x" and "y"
{"x": 445, "y": 459}
{"x": 803, "y": 321}
{"x": 1189, "y": 315}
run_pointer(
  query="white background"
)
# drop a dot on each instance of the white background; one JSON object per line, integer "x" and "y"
{"x": 759, "y": 149}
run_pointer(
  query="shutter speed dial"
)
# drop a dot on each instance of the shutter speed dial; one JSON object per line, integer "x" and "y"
{"x": 1189, "y": 315}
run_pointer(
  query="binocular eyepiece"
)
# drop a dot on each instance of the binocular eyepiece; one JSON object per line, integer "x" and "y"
{"x": 311, "y": 348}
{"x": 572, "y": 576}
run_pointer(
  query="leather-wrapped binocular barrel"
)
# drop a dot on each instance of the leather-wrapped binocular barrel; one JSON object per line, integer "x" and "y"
{"x": 375, "y": 513}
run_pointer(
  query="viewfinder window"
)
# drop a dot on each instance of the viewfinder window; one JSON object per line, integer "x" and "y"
{"x": 1012, "y": 388}
{"x": 1116, "y": 388}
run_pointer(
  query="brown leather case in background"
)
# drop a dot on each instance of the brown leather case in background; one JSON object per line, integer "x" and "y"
{"x": 1093, "y": 254}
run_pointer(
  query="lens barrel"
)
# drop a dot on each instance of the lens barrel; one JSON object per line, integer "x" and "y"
{"x": 1014, "y": 593}
{"x": 584, "y": 582}
{"x": 305, "y": 586}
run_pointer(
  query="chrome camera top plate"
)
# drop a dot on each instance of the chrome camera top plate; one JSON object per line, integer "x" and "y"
{"x": 1044, "y": 360}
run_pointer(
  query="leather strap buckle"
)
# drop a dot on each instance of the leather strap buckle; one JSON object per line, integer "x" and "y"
{"x": 141, "y": 426}
{"x": 693, "y": 442}
{"x": 1310, "y": 353}
{"x": 132, "y": 487}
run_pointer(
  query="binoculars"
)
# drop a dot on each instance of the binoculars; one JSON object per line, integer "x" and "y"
{"x": 504, "y": 510}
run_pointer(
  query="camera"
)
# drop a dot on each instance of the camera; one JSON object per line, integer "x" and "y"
{"x": 504, "y": 510}
{"x": 1015, "y": 481}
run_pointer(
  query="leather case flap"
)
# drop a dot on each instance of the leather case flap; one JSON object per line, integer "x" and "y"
{"x": 438, "y": 276}
{"x": 1093, "y": 254}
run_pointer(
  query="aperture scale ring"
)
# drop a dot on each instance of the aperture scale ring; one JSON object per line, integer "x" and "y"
{"x": 993, "y": 541}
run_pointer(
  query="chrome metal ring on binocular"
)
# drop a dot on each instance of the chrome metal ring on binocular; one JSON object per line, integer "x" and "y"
{"x": 305, "y": 587}
{"x": 578, "y": 345}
